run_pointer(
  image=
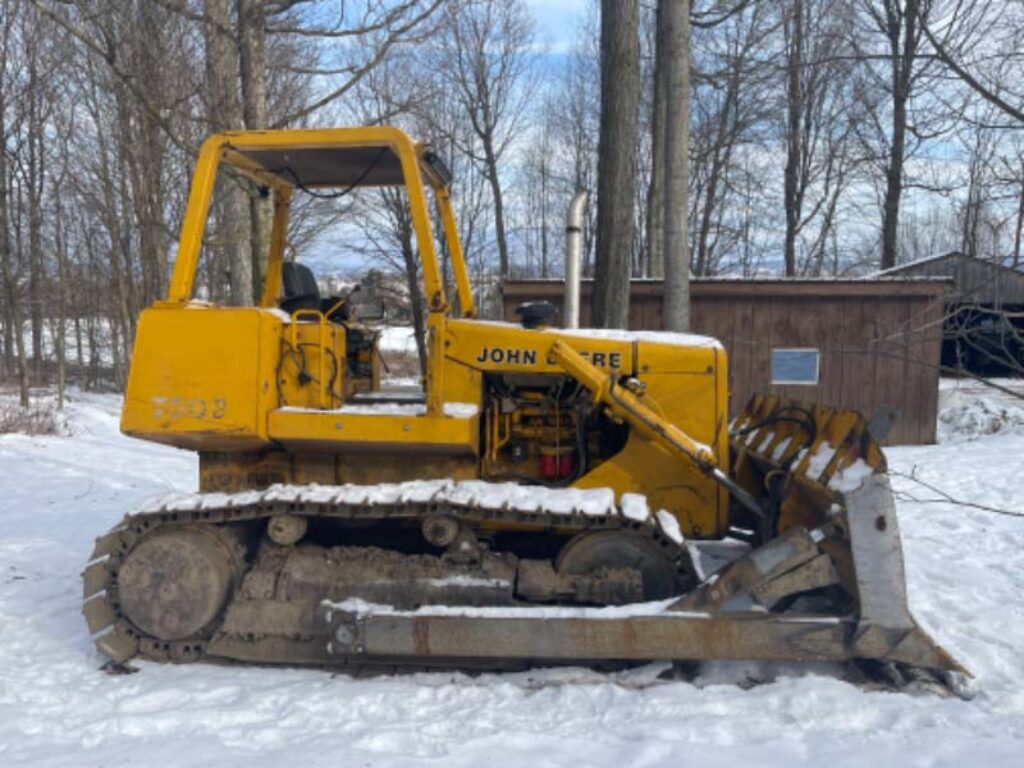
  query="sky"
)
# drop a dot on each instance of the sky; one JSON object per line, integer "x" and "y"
{"x": 555, "y": 19}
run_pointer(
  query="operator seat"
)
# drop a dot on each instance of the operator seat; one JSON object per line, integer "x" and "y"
{"x": 298, "y": 288}
{"x": 300, "y": 291}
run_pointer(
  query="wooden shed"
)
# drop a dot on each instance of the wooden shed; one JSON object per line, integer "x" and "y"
{"x": 860, "y": 344}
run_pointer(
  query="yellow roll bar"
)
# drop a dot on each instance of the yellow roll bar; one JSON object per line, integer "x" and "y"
{"x": 231, "y": 148}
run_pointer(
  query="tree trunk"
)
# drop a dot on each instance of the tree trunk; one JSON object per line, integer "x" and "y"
{"x": 1019, "y": 228}
{"x": 893, "y": 186}
{"x": 222, "y": 72}
{"x": 60, "y": 331}
{"x": 794, "y": 24}
{"x": 252, "y": 58}
{"x": 8, "y": 355}
{"x": 416, "y": 303}
{"x": 656, "y": 194}
{"x": 35, "y": 223}
{"x": 10, "y": 283}
{"x": 147, "y": 152}
{"x": 677, "y": 171}
{"x": 903, "y": 53}
{"x": 616, "y": 160}
{"x": 545, "y": 257}
{"x": 499, "y": 205}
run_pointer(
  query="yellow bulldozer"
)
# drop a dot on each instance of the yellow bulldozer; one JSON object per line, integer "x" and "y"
{"x": 542, "y": 499}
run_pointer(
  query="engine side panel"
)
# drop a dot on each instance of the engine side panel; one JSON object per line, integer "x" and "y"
{"x": 203, "y": 378}
{"x": 529, "y": 424}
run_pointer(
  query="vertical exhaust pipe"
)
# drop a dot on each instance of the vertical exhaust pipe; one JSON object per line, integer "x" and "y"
{"x": 573, "y": 259}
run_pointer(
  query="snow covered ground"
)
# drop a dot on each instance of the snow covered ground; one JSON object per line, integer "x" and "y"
{"x": 966, "y": 579}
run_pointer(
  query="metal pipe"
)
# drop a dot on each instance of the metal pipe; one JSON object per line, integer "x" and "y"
{"x": 573, "y": 228}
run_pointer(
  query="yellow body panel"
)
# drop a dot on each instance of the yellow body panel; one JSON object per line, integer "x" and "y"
{"x": 318, "y": 346}
{"x": 687, "y": 385}
{"x": 342, "y": 431}
{"x": 491, "y": 346}
{"x": 203, "y": 378}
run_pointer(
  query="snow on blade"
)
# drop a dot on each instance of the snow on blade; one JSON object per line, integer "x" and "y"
{"x": 670, "y": 526}
{"x": 780, "y": 449}
{"x": 850, "y": 478}
{"x": 819, "y": 460}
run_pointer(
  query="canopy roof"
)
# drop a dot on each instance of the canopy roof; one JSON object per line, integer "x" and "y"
{"x": 330, "y": 166}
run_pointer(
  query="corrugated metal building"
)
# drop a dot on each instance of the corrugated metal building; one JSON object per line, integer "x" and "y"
{"x": 860, "y": 344}
{"x": 974, "y": 281}
{"x": 983, "y": 328}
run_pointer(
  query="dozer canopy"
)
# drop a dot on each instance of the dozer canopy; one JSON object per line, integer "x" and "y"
{"x": 315, "y": 160}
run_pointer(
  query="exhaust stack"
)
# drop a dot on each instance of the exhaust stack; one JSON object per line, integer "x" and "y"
{"x": 573, "y": 228}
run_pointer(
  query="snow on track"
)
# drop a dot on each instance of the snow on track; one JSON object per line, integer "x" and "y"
{"x": 966, "y": 580}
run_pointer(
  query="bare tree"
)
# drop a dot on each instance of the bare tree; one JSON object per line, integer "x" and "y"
{"x": 542, "y": 190}
{"x": 576, "y": 116}
{"x": 820, "y": 157}
{"x": 225, "y": 109}
{"x": 12, "y": 288}
{"x": 731, "y": 103}
{"x": 900, "y": 24}
{"x": 487, "y": 61}
{"x": 252, "y": 61}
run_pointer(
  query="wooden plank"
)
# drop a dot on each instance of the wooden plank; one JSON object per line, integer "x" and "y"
{"x": 928, "y": 319}
{"x": 890, "y": 366}
{"x": 857, "y": 354}
{"x": 651, "y": 305}
{"x": 916, "y": 417}
{"x": 833, "y": 326}
{"x": 778, "y": 334}
{"x": 746, "y": 369}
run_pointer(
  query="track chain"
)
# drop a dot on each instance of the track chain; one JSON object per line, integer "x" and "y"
{"x": 116, "y": 638}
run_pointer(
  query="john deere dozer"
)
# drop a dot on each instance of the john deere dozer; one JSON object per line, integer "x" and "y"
{"x": 541, "y": 500}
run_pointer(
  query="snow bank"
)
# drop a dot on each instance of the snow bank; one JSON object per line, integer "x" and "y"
{"x": 966, "y": 584}
{"x": 968, "y": 409}
{"x": 41, "y": 417}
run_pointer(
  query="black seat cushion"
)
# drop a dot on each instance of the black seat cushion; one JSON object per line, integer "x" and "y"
{"x": 298, "y": 287}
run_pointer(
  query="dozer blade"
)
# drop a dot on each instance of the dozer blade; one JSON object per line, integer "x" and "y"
{"x": 827, "y": 584}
